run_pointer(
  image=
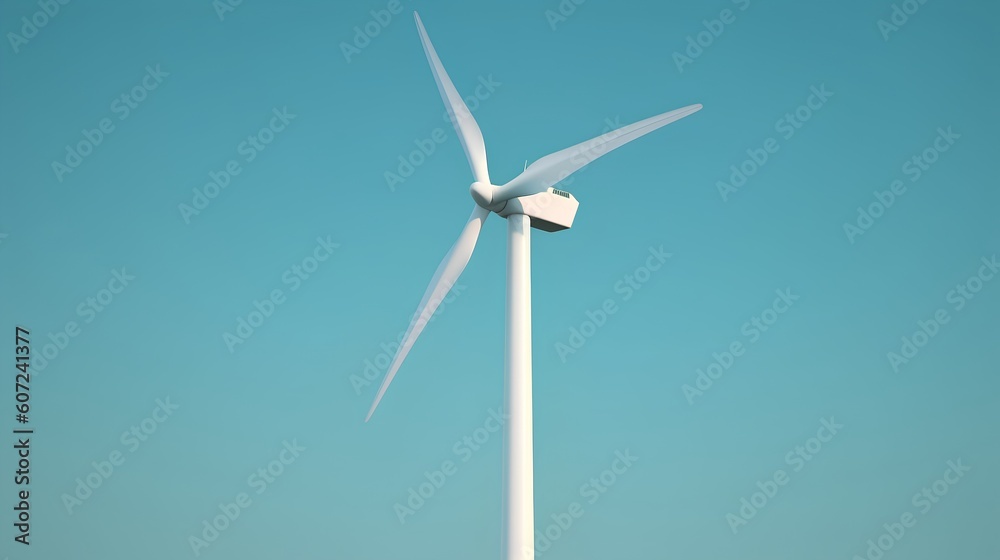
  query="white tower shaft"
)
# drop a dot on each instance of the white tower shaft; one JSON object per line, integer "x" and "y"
{"x": 518, "y": 484}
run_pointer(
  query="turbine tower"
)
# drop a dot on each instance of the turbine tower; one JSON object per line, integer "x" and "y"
{"x": 528, "y": 201}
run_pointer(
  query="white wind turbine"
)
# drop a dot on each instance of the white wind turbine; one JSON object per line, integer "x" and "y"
{"x": 526, "y": 201}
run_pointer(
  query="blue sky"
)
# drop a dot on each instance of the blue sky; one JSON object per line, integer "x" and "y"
{"x": 117, "y": 117}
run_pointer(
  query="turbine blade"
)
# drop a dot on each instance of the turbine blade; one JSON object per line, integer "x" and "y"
{"x": 444, "y": 279}
{"x": 553, "y": 168}
{"x": 466, "y": 126}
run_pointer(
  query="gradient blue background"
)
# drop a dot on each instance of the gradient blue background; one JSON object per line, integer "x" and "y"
{"x": 323, "y": 176}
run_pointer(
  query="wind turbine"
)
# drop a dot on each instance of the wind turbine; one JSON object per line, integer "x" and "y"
{"x": 528, "y": 201}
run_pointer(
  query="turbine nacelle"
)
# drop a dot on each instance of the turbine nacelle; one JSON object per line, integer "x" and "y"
{"x": 552, "y": 210}
{"x": 549, "y": 210}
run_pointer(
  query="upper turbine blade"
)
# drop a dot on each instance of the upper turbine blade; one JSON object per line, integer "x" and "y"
{"x": 466, "y": 126}
{"x": 553, "y": 168}
{"x": 444, "y": 279}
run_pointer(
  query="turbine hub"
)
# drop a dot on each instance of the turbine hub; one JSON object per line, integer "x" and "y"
{"x": 482, "y": 193}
